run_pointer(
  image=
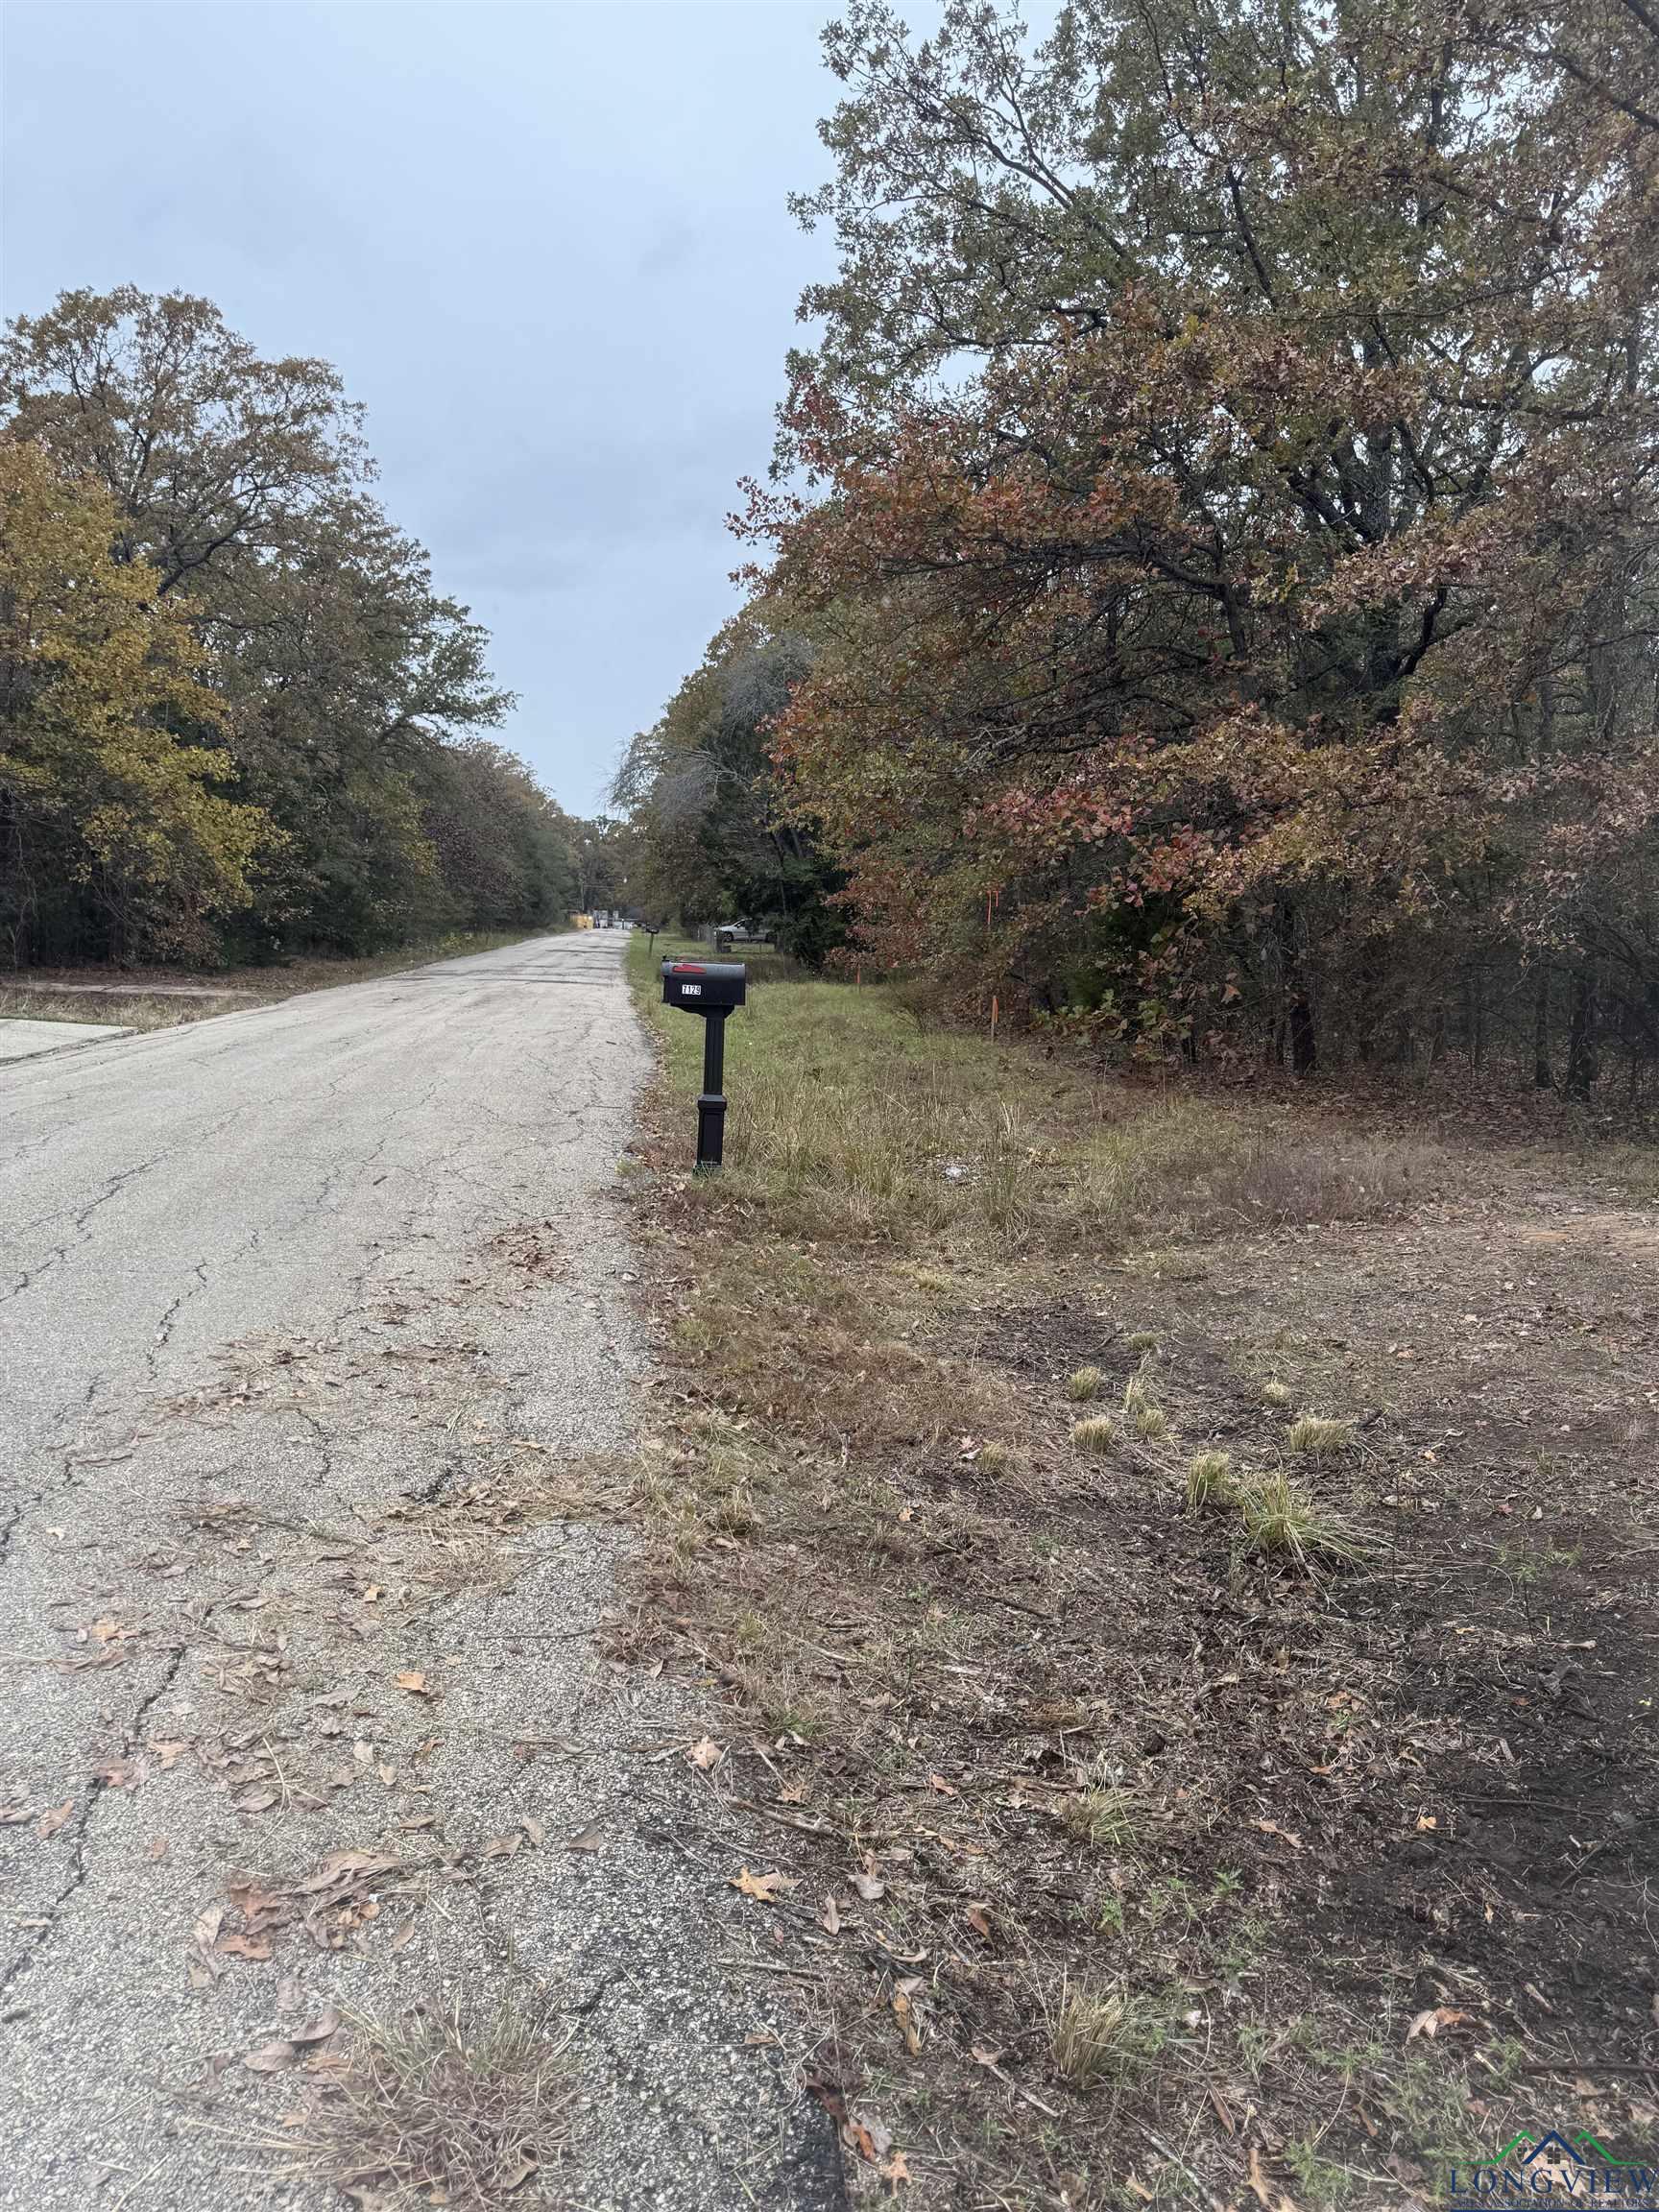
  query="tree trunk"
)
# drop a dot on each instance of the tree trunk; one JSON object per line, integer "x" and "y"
{"x": 1581, "y": 1059}
{"x": 1304, "y": 1046}
{"x": 1541, "y": 1075}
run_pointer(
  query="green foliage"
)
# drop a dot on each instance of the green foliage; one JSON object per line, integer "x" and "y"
{"x": 714, "y": 841}
{"x": 339, "y": 696}
{"x": 113, "y": 812}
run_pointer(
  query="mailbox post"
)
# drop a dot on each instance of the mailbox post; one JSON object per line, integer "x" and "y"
{"x": 710, "y": 988}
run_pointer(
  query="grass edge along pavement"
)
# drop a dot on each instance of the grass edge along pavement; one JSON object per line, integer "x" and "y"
{"x": 229, "y": 990}
{"x": 1075, "y": 1628}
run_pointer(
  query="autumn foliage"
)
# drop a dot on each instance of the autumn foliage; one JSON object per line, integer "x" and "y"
{"x": 1222, "y": 505}
{"x": 236, "y": 719}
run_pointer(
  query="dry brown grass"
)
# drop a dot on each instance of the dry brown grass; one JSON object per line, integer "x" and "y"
{"x": 434, "y": 2108}
{"x": 1096, "y": 1435}
{"x": 1282, "y": 1523}
{"x": 1316, "y": 1438}
{"x": 1088, "y": 1751}
{"x": 129, "y": 1013}
{"x": 1098, "y": 2031}
{"x": 851, "y": 1124}
{"x": 1209, "y": 1481}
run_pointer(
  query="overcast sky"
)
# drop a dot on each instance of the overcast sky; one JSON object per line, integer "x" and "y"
{"x": 546, "y": 245}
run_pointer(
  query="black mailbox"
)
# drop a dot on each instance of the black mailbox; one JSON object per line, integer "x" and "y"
{"x": 698, "y": 985}
{"x": 710, "y": 988}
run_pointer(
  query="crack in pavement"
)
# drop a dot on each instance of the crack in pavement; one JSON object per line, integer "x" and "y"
{"x": 289, "y": 1379}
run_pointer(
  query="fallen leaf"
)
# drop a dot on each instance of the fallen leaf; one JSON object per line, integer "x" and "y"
{"x": 705, "y": 1754}
{"x": 158, "y": 1848}
{"x": 49, "y": 1823}
{"x": 866, "y": 2135}
{"x": 1435, "y": 2017}
{"x": 534, "y": 1829}
{"x": 767, "y": 1887}
{"x": 316, "y": 2031}
{"x": 870, "y": 1886}
{"x": 1272, "y": 1828}
{"x": 895, "y": 2170}
{"x": 588, "y": 1839}
{"x": 258, "y": 1800}
{"x": 1271, "y": 2201}
{"x": 234, "y": 1946}
{"x": 979, "y": 1918}
{"x": 502, "y": 1847}
{"x": 829, "y": 1919}
{"x": 269, "y": 2057}
{"x": 416, "y": 1683}
{"x": 170, "y": 1750}
{"x": 905, "y": 2012}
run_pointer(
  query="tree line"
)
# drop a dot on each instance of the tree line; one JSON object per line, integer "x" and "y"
{"x": 1210, "y": 552}
{"x": 237, "y": 719}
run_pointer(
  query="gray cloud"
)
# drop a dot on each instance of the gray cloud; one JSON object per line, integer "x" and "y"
{"x": 546, "y": 245}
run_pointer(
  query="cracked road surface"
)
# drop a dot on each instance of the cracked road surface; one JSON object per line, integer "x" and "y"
{"x": 306, "y": 1313}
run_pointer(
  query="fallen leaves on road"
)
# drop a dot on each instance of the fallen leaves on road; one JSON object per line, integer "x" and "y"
{"x": 270, "y": 2058}
{"x": 337, "y": 1896}
{"x": 416, "y": 1683}
{"x": 316, "y": 2031}
{"x": 705, "y": 1754}
{"x": 237, "y": 1946}
{"x": 49, "y": 1823}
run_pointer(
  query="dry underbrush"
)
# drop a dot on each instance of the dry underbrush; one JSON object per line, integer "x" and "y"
{"x": 434, "y": 2108}
{"x": 1094, "y": 1744}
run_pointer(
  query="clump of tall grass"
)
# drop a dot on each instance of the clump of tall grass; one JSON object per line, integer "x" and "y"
{"x": 1316, "y": 1438}
{"x": 1096, "y": 1435}
{"x": 1283, "y": 1522}
{"x": 1099, "y": 2033}
{"x": 1144, "y": 1414}
{"x": 1209, "y": 1481}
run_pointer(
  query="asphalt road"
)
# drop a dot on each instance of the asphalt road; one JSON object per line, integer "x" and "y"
{"x": 306, "y": 1313}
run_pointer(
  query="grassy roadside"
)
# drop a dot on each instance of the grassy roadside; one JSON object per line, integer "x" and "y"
{"x": 35, "y": 1001}
{"x": 1147, "y": 1638}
